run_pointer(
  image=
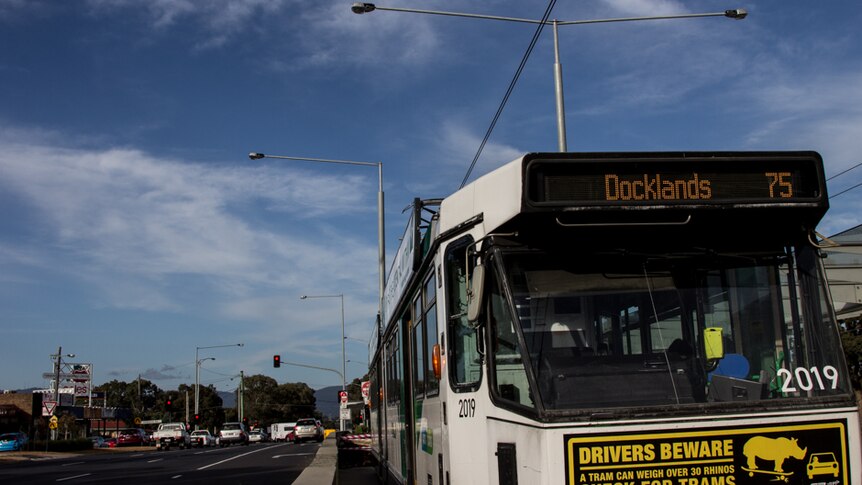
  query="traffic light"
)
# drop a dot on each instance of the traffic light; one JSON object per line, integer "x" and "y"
{"x": 276, "y": 361}
{"x": 168, "y": 404}
{"x": 197, "y": 419}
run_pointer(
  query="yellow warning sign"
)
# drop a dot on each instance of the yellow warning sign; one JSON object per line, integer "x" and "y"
{"x": 710, "y": 456}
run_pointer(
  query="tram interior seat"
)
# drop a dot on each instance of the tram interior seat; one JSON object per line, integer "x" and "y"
{"x": 573, "y": 376}
{"x": 730, "y": 381}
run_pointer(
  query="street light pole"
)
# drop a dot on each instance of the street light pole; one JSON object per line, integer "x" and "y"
{"x": 197, "y": 371}
{"x": 197, "y": 382}
{"x": 381, "y": 236}
{"x": 738, "y": 14}
{"x": 343, "y": 354}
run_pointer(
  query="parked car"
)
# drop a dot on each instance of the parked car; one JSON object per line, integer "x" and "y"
{"x": 232, "y": 433}
{"x": 257, "y": 437}
{"x": 13, "y": 441}
{"x": 203, "y": 437}
{"x": 99, "y": 442}
{"x": 132, "y": 437}
{"x": 308, "y": 429}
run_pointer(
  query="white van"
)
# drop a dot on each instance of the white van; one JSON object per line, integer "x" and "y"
{"x": 282, "y": 431}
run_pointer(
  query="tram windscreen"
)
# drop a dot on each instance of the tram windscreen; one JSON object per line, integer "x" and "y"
{"x": 618, "y": 330}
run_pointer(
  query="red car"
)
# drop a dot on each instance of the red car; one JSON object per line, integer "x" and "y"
{"x": 132, "y": 437}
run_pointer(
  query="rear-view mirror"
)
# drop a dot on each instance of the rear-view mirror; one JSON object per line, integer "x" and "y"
{"x": 474, "y": 294}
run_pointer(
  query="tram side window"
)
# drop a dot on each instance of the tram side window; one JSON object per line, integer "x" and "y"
{"x": 393, "y": 370}
{"x": 432, "y": 386}
{"x": 465, "y": 365}
{"x": 418, "y": 344}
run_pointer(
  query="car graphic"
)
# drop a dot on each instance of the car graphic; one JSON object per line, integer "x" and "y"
{"x": 822, "y": 464}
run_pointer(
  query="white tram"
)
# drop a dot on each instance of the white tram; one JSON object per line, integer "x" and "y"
{"x": 616, "y": 318}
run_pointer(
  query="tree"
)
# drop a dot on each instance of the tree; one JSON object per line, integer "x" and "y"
{"x": 259, "y": 397}
{"x": 210, "y": 406}
{"x": 296, "y": 400}
{"x": 141, "y": 397}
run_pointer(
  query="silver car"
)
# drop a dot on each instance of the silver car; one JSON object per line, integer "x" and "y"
{"x": 308, "y": 429}
{"x": 232, "y": 433}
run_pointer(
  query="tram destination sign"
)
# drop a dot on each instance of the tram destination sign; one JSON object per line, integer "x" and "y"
{"x": 638, "y": 179}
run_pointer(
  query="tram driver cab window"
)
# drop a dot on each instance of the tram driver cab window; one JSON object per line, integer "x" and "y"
{"x": 510, "y": 376}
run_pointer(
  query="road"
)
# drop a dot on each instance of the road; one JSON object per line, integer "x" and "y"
{"x": 273, "y": 462}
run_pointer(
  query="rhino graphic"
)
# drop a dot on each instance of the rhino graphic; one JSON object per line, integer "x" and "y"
{"x": 772, "y": 449}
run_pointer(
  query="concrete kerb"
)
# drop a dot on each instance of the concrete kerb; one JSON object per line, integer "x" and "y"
{"x": 322, "y": 468}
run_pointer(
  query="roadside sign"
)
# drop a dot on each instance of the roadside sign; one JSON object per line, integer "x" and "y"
{"x": 345, "y": 413}
{"x": 81, "y": 372}
{"x": 48, "y": 408}
{"x": 137, "y": 421}
{"x": 342, "y": 398}
{"x": 366, "y": 388}
{"x": 54, "y": 419}
{"x": 53, "y": 425}
{"x": 64, "y": 376}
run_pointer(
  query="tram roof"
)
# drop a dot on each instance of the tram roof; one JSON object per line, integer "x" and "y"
{"x": 496, "y": 195}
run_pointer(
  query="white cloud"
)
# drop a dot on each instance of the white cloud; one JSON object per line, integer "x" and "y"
{"x": 220, "y": 20}
{"x": 137, "y": 227}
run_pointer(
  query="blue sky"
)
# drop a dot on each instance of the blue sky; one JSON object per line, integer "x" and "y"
{"x": 133, "y": 227}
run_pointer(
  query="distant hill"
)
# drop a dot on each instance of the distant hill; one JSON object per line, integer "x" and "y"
{"x": 228, "y": 398}
{"x": 327, "y": 401}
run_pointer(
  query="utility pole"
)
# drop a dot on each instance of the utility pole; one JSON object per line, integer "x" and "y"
{"x": 239, "y": 404}
{"x": 57, "y": 374}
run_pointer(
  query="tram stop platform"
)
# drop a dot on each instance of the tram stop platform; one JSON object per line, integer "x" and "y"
{"x": 339, "y": 462}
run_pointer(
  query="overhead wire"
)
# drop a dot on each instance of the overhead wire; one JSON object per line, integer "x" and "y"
{"x": 842, "y": 173}
{"x": 511, "y": 88}
{"x": 845, "y": 190}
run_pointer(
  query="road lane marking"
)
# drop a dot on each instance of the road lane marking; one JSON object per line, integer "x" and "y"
{"x": 175, "y": 477}
{"x": 237, "y": 456}
{"x": 72, "y": 478}
{"x": 293, "y": 454}
{"x": 153, "y": 461}
{"x": 73, "y": 463}
{"x": 207, "y": 451}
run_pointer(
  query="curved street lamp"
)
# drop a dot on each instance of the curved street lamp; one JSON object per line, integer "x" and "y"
{"x": 381, "y": 241}
{"x": 737, "y": 13}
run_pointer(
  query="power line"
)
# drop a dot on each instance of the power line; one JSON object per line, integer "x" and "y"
{"x": 846, "y": 190}
{"x": 842, "y": 173}
{"x": 510, "y": 89}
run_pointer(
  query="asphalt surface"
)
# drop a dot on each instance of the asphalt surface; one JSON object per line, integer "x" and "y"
{"x": 305, "y": 464}
{"x": 276, "y": 462}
